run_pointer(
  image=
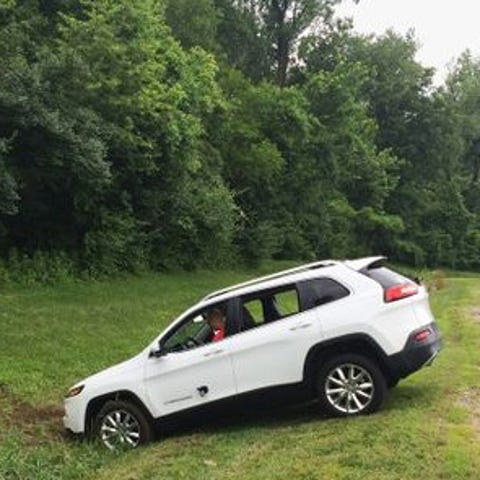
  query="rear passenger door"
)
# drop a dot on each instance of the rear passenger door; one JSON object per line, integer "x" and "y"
{"x": 279, "y": 326}
{"x": 276, "y": 335}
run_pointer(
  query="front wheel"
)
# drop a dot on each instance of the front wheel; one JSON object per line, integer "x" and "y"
{"x": 351, "y": 384}
{"x": 121, "y": 425}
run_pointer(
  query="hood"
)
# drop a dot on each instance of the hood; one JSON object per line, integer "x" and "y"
{"x": 114, "y": 373}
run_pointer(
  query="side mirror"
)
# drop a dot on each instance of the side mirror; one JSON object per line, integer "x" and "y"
{"x": 159, "y": 351}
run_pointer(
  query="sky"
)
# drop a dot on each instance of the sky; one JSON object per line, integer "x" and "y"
{"x": 443, "y": 28}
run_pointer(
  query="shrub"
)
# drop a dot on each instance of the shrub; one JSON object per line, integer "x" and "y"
{"x": 41, "y": 267}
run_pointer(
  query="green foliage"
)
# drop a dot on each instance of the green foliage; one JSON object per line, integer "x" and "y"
{"x": 203, "y": 226}
{"x": 41, "y": 267}
{"x": 285, "y": 21}
{"x": 161, "y": 133}
{"x": 55, "y": 161}
{"x": 107, "y": 132}
{"x": 240, "y": 40}
{"x": 8, "y": 187}
{"x": 427, "y": 136}
{"x": 114, "y": 244}
{"x": 193, "y": 23}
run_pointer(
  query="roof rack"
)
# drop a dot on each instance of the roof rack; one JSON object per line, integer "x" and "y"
{"x": 283, "y": 273}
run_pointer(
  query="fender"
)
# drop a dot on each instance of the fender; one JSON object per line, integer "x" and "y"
{"x": 95, "y": 404}
{"x": 359, "y": 343}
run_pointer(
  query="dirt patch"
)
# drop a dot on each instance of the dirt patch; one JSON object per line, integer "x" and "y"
{"x": 470, "y": 399}
{"x": 474, "y": 314}
{"x": 35, "y": 423}
{"x": 438, "y": 280}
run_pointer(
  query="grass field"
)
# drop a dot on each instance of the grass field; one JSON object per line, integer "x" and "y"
{"x": 52, "y": 336}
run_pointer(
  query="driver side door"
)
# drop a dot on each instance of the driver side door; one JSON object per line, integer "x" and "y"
{"x": 193, "y": 375}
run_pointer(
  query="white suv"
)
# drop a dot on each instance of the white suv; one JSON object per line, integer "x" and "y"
{"x": 345, "y": 331}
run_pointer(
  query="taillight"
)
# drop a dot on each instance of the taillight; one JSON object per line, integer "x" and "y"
{"x": 397, "y": 292}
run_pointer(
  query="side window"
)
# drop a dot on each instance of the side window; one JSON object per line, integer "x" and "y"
{"x": 321, "y": 291}
{"x": 203, "y": 327}
{"x": 287, "y": 302}
{"x": 255, "y": 310}
{"x": 268, "y": 306}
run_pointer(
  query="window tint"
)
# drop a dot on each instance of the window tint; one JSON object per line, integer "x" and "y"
{"x": 197, "y": 329}
{"x": 321, "y": 291}
{"x": 385, "y": 276}
{"x": 255, "y": 309}
{"x": 287, "y": 302}
{"x": 269, "y": 306}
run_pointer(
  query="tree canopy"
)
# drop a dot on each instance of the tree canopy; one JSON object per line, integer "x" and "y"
{"x": 164, "y": 133}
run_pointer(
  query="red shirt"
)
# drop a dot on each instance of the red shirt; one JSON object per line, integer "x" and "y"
{"x": 218, "y": 335}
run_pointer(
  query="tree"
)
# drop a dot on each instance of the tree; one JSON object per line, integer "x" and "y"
{"x": 261, "y": 36}
{"x": 194, "y": 24}
{"x": 285, "y": 21}
{"x": 101, "y": 123}
{"x": 8, "y": 186}
{"x": 156, "y": 134}
{"x": 241, "y": 44}
{"x": 463, "y": 88}
{"x": 420, "y": 126}
{"x": 53, "y": 161}
{"x": 153, "y": 95}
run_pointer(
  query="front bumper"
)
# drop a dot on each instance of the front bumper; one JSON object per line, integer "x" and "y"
{"x": 74, "y": 418}
{"x": 416, "y": 355}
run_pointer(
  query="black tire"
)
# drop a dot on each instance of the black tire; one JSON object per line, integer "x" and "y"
{"x": 141, "y": 430}
{"x": 342, "y": 403}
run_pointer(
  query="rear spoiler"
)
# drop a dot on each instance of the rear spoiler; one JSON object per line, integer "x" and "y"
{"x": 364, "y": 263}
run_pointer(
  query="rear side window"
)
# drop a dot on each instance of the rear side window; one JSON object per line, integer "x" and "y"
{"x": 321, "y": 291}
{"x": 268, "y": 306}
{"x": 385, "y": 277}
{"x": 287, "y": 302}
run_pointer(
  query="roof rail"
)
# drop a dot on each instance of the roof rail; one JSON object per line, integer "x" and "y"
{"x": 283, "y": 273}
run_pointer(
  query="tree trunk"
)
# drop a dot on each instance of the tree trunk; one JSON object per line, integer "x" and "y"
{"x": 283, "y": 57}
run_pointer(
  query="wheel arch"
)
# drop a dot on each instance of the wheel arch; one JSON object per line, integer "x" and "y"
{"x": 361, "y": 344}
{"x": 95, "y": 405}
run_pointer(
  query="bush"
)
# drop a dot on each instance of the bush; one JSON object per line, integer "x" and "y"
{"x": 41, "y": 267}
{"x": 113, "y": 245}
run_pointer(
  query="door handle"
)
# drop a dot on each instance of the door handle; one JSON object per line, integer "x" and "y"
{"x": 203, "y": 390}
{"x": 214, "y": 352}
{"x": 298, "y": 327}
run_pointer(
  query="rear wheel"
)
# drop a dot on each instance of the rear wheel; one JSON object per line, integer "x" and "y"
{"x": 121, "y": 425}
{"x": 350, "y": 384}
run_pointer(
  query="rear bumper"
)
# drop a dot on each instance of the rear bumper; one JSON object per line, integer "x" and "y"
{"x": 416, "y": 355}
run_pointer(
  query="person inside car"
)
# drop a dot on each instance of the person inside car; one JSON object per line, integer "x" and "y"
{"x": 216, "y": 320}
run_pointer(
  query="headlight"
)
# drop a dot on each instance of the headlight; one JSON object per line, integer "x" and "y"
{"x": 74, "y": 391}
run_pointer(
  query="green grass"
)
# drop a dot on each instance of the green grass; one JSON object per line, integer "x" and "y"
{"x": 52, "y": 336}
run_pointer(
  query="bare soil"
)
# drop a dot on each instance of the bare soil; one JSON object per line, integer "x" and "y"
{"x": 35, "y": 423}
{"x": 474, "y": 314}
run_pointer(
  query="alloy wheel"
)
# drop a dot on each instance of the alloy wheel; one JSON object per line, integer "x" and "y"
{"x": 119, "y": 429}
{"x": 349, "y": 388}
